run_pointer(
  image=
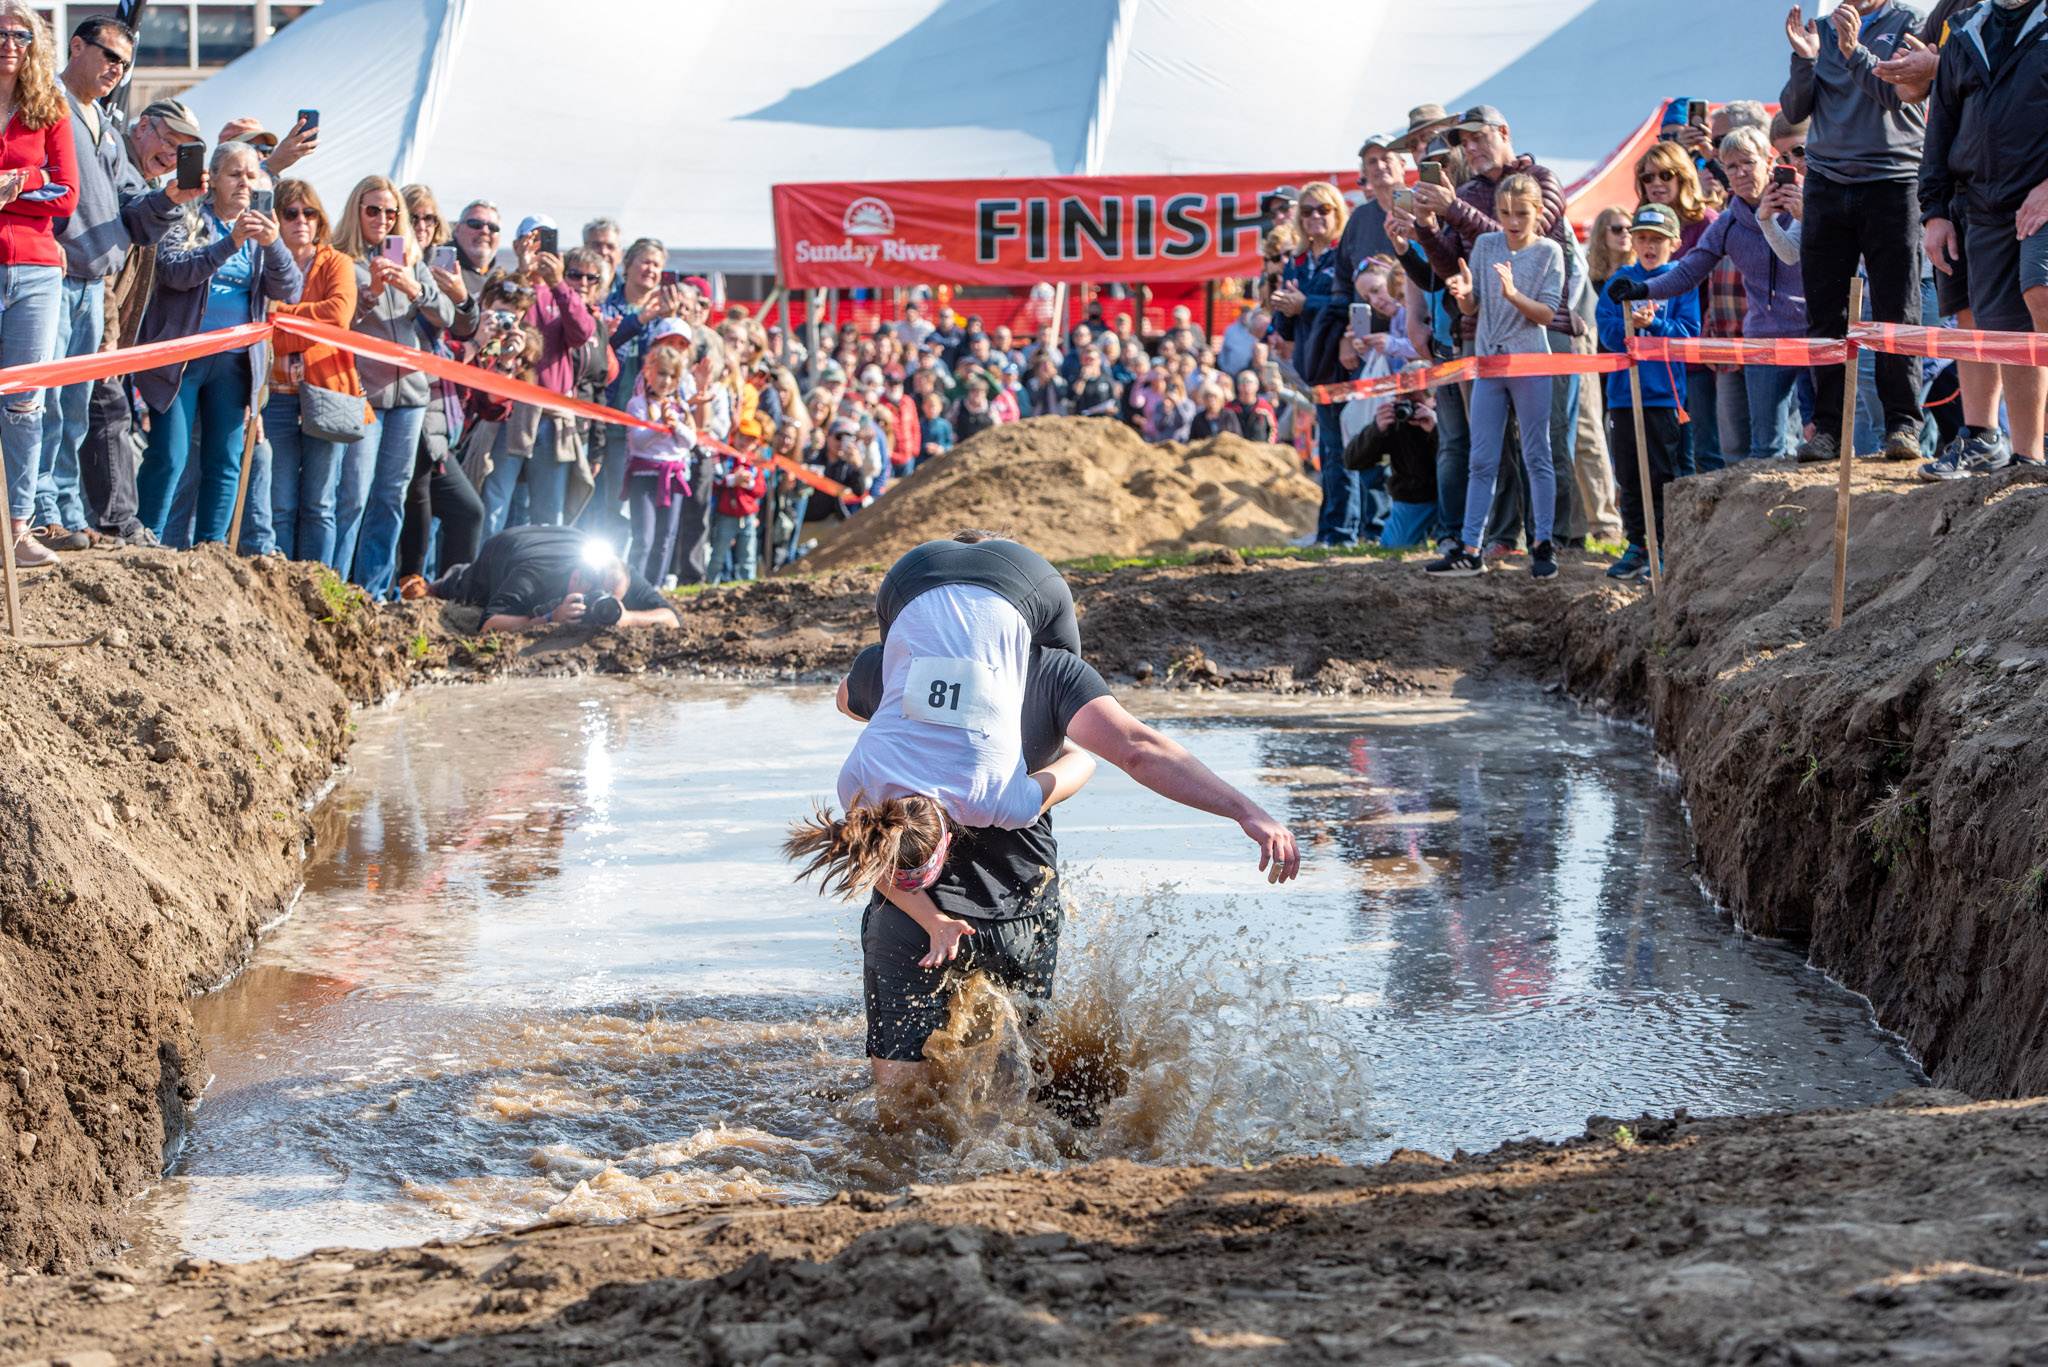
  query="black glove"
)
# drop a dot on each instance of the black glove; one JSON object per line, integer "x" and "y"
{"x": 1621, "y": 289}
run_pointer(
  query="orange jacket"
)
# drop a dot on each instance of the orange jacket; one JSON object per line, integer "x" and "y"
{"x": 329, "y": 296}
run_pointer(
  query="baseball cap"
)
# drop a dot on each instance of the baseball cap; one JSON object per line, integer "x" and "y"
{"x": 845, "y": 427}
{"x": 1480, "y": 117}
{"x": 831, "y": 373}
{"x": 533, "y": 221}
{"x": 1386, "y": 142}
{"x": 672, "y": 327}
{"x": 252, "y": 132}
{"x": 1655, "y": 218}
{"x": 698, "y": 283}
{"x": 1437, "y": 150}
{"x": 175, "y": 116}
{"x": 893, "y": 375}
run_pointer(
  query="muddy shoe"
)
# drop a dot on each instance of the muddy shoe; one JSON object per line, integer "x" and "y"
{"x": 141, "y": 536}
{"x": 1980, "y": 451}
{"x": 63, "y": 539}
{"x": 1821, "y": 449}
{"x": 1543, "y": 560}
{"x": 1456, "y": 564}
{"x": 1634, "y": 564}
{"x": 1903, "y": 444}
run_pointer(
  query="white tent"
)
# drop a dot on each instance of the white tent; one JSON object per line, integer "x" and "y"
{"x": 675, "y": 116}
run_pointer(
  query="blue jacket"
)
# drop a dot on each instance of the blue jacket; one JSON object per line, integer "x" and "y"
{"x": 1319, "y": 328}
{"x": 1775, "y": 292}
{"x": 1663, "y": 382}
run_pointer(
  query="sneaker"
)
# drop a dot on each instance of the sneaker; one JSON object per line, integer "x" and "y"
{"x": 1456, "y": 564}
{"x": 1903, "y": 444}
{"x": 412, "y": 588}
{"x": 1543, "y": 560}
{"x": 1634, "y": 564}
{"x": 30, "y": 553}
{"x": 62, "y": 538}
{"x": 1981, "y": 451}
{"x": 1822, "y": 448}
{"x": 141, "y": 536}
{"x": 1447, "y": 545}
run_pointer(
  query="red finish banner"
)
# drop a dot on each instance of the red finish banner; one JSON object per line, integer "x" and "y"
{"x": 855, "y": 235}
{"x": 1793, "y": 351}
{"x": 1954, "y": 344}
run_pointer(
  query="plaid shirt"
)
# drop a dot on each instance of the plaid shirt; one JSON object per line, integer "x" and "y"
{"x": 1726, "y": 304}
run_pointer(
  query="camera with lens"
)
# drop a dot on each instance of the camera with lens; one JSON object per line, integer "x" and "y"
{"x": 602, "y": 610}
{"x": 1404, "y": 410}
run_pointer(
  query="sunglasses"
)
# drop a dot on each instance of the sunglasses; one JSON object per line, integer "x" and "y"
{"x": 1617, "y": 227}
{"x": 426, "y": 220}
{"x": 1316, "y": 211}
{"x": 19, "y": 37}
{"x": 584, "y": 276}
{"x": 118, "y": 62}
{"x": 299, "y": 211}
{"x": 1800, "y": 151}
{"x": 1666, "y": 176}
{"x": 381, "y": 213}
{"x": 479, "y": 225}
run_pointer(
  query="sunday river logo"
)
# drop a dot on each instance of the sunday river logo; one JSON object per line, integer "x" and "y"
{"x": 868, "y": 217}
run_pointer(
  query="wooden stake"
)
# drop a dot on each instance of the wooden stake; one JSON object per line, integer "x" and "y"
{"x": 1848, "y": 455}
{"x": 13, "y": 593}
{"x": 1635, "y": 389}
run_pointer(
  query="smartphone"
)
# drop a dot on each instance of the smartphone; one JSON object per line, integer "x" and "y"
{"x": 263, "y": 202}
{"x": 191, "y": 165}
{"x": 1696, "y": 113}
{"x": 1783, "y": 175}
{"x": 550, "y": 241}
{"x": 1433, "y": 172}
{"x": 1361, "y": 320}
{"x": 1404, "y": 200}
{"x": 310, "y": 118}
{"x": 669, "y": 280}
{"x": 394, "y": 250}
{"x": 445, "y": 260}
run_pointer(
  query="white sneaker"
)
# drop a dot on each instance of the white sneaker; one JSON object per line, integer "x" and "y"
{"x": 30, "y": 553}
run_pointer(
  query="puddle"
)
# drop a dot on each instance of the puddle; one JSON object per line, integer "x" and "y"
{"x": 550, "y": 963}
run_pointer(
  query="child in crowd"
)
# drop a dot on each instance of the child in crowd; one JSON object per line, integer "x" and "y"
{"x": 657, "y": 479}
{"x": 1654, "y": 233}
{"x": 738, "y": 487}
{"x": 1513, "y": 283}
{"x": 937, "y": 432}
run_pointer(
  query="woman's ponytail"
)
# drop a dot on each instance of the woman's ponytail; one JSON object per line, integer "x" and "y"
{"x": 861, "y": 850}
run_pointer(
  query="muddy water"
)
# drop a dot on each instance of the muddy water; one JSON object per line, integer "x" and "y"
{"x": 550, "y": 964}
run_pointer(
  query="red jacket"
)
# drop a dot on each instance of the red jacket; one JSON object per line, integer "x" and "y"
{"x": 28, "y": 235}
{"x": 907, "y": 435}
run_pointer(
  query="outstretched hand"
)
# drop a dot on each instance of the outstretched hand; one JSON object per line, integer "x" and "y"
{"x": 1279, "y": 855}
{"x": 1803, "y": 36}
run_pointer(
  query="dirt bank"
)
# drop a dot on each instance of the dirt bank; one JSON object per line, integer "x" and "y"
{"x": 1081, "y": 487}
{"x": 1901, "y": 1235}
{"x": 152, "y": 817}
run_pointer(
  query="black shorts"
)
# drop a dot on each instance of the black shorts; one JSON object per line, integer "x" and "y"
{"x": 906, "y": 1003}
{"x": 1952, "y": 287}
{"x": 1997, "y": 300}
{"x": 1022, "y": 576}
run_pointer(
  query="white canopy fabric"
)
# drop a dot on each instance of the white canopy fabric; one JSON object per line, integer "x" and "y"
{"x": 675, "y": 118}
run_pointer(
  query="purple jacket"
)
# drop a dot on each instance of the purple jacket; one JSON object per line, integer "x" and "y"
{"x": 1775, "y": 292}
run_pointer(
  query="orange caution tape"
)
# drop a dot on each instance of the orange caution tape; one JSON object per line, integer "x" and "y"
{"x": 1471, "y": 368}
{"x": 1533, "y": 363}
{"x": 1402, "y": 382}
{"x": 1954, "y": 344}
{"x": 103, "y": 365}
{"x": 1790, "y": 351}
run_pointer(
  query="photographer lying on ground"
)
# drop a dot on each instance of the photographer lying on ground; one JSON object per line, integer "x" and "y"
{"x": 539, "y": 576}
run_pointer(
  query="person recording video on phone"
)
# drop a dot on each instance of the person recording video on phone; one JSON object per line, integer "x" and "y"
{"x": 552, "y": 576}
{"x": 218, "y": 267}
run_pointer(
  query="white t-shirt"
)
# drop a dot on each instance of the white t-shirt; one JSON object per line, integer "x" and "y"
{"x": 949, "y": 725}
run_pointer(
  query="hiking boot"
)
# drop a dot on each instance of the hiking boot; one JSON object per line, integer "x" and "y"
{"x": 1904, "y": 444}
{"x": 1456, "y": 564}
{"x": 63, "y": 539}
{"x": 1634, "y": 564}
{"x": 1822, "y": 448}
{"x": 1979, "y": 451}
{"x": 1543, "y": 560}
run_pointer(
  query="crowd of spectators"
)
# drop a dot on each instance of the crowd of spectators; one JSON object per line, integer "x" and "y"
{"x": 1452, "y": 243}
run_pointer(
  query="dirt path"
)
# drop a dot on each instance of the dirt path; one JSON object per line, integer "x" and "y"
{"x": 1832, "y": 1237}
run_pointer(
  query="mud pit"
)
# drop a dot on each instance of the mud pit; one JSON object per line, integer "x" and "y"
{"x": 1871, "y": 793}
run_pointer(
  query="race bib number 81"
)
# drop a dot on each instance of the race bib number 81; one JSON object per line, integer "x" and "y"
{"x": 946, "y": 692}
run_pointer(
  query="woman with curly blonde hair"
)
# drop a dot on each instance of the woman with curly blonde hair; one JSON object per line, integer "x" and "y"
{"x": 38, "y": 186}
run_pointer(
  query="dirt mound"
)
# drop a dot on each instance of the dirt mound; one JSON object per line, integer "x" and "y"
{"x": 1076, "y": 487}
{"x": 1828, "y": 1237}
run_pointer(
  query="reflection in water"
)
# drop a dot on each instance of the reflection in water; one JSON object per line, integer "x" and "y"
{"x": 554, "y": 965}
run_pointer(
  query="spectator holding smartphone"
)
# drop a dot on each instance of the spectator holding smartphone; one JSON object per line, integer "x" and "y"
{"x": 305, "y": 471}
{"x": 219, "y": 267}
{"x": 395, "y": 291}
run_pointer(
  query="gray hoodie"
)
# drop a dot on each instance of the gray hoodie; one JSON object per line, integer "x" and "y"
{"x": 116, "y": 208}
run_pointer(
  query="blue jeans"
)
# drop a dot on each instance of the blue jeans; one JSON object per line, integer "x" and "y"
{"x": 31, "y": 303}
{"x": 1702, "y": 436}
{"x": 1769, "y": 392}
{"x": 1491, "y": 399}
{"x": 258, "y": 536}
{"x": 185, "y": 490}
{"x": 59, "y": 500}
{"x": 304, "y": 477}
{"x": 739, "y": 535}
{"x": 1410, "y": 524}
{"x": 601, "y": 517}
{"x": 375, "y": 470}
{"x": 547, "y": 482}
{"x": 1453, "y": 455}
{"x": 1343, "y": 499}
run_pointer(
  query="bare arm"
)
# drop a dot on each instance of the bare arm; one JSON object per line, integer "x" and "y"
{"x": 1166, "y": 767}
{"x": 945, "y": 931}
{"x": 1065, "y": 776}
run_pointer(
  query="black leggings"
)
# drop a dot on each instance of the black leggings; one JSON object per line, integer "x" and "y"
{"x": 439, "y": 489}
{"x": 1025, "y": 578}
